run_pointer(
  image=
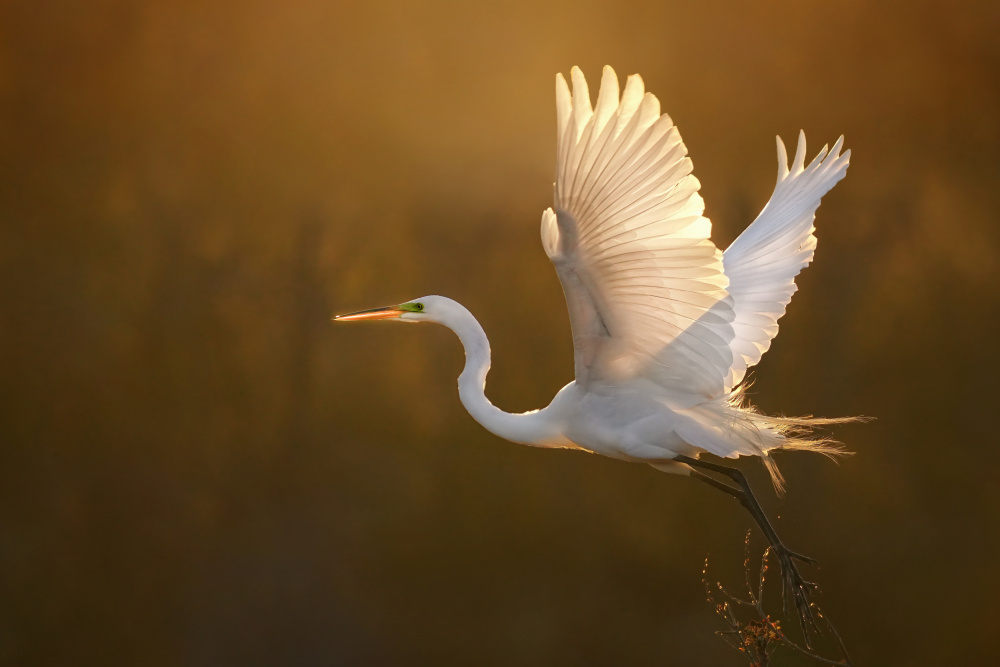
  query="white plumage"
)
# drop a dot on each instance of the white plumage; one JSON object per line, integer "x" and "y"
{"x": 631, "y": 246}
{"x": 650, "y": 296}
{"x": 645, "y": 285}
{"x": 664, "y": 325}
{"x": 763, "y": 261}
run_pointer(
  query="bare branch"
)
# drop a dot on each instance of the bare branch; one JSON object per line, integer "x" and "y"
{"x": 759, "y": 635}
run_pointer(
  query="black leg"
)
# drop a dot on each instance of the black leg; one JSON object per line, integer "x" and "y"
{"x": 792, "y": 580}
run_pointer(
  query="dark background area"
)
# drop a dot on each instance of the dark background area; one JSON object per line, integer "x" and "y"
{"x": 197, "y": 468}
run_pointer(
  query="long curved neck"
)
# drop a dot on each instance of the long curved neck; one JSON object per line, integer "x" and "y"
{"x": 529, "y": 428}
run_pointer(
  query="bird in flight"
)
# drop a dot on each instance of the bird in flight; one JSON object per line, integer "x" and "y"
{"x": 665, "y": 326}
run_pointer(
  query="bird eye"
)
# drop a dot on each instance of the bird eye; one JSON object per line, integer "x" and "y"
{"x": 418, "y": 306}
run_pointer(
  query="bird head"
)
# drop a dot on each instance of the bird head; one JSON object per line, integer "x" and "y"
{"x": 426, "y": 309}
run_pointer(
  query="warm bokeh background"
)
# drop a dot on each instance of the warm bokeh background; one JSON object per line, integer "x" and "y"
{"x": 197, "y": 468}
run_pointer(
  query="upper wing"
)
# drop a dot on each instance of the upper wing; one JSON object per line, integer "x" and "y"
{"x": 644, "y": 284}
{"x": 762, "y": 263}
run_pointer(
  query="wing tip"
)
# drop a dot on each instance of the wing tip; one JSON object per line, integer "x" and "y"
{"x": 782, "y": 159}
{"x": 550, "y": 233}
{"x": 799, "y": 161}
{"x": 580, "y": 88}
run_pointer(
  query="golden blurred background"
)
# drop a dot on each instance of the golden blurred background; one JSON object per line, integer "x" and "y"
{"x": 197, "y": 468}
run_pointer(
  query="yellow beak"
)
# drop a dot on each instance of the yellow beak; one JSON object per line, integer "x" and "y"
{"x": 373, "y": 314}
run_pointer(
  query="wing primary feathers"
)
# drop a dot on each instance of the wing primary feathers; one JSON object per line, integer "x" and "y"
{"x": 764, "y": 260}
{"x": 618, "y": 182}
{"x": 643, "y": 282}
{"x": 607, "y": 104}
{"x": 624, "y": 139}
{"x": 651, "y": 300}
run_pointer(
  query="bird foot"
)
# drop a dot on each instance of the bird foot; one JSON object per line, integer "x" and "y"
{"x": 794, "y": 585}
{"x": 798, "y": 556}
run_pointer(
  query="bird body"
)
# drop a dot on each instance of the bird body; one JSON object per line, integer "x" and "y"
{"x": 665, "y": 326}
{"x": 620, "y": 421}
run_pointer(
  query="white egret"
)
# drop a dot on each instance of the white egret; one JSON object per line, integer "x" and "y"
{"x": 665, "y": 325}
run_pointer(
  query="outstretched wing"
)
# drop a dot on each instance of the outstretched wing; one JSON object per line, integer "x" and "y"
{"x": 763, "y": 261}
{"x": 644, "y": 284}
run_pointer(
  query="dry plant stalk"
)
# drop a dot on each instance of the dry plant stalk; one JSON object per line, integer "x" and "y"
{"x": 759, "y": 635}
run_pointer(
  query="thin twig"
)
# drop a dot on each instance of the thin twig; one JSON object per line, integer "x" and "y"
{"x": 759, "y": 636}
